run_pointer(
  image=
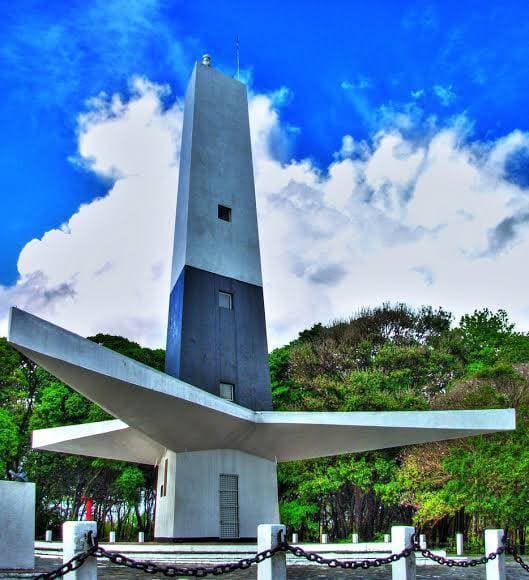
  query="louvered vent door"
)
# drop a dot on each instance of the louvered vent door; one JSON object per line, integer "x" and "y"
{"x": 229, "y": 505}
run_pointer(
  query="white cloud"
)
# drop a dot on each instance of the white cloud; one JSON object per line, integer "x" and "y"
{"x": 446, "y": 95}
{"x": 433, "y": 222}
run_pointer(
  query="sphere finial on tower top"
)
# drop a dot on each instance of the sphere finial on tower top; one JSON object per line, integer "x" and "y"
{"x": 206, "y": 60}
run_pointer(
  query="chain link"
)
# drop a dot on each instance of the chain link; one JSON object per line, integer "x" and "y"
{"x": 94, "y": 550}
{"x": 76, "y": 562}
{"x": 509, "y": 549}
{"x": 348, "y": 564}
{"x": 451, "y": 563}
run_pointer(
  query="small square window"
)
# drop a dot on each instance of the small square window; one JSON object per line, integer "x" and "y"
{"x": 225, "y": 300}
{"x": 224, "y": 213}
{"x": 227, "y": 391}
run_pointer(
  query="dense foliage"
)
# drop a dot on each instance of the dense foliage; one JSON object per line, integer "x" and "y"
{"x": 397, "y": 358}
{"x": 386, "y": 358}
{"x": 30, "y": 398}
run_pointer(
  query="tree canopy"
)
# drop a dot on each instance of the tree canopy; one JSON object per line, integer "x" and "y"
{"x": 392, "y": 357}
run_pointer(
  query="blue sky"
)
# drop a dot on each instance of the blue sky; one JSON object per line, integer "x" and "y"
{"x": 348, "y": 68}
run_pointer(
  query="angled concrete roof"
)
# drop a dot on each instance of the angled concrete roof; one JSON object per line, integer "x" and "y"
{"x": 157, "y": 411}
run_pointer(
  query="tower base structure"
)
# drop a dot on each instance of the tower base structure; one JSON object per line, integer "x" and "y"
{"x": 210, "y": 495}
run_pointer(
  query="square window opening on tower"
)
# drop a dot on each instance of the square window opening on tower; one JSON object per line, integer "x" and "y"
{"x": 226, "y": 300}
{"x": 224, "y": 213}
{"x": 227, "y": 391}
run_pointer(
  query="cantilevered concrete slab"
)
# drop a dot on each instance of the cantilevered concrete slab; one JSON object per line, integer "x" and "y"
{"x": 158, "y": 411}
{"x": 105, "y": 439}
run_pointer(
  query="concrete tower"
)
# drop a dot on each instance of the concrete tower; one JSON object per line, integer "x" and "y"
{"x": 216, "y": 333}
{"x": 216, "y": 338}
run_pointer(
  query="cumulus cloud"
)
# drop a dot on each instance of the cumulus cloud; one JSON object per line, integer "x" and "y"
{"x": 106, "y": 269}
{"x": 435, "y": 220}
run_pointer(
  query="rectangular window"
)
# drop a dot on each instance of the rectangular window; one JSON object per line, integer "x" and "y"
{"x": 164, "y": 485}
{"x": 227, "y": 391}
{"x": 224, "y": 213}
{"x": 229, "y": 505}
{"x": 226, "y": 300}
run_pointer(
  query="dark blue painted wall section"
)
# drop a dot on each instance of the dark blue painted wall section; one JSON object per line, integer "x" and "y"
{"x": 207, "y": 344}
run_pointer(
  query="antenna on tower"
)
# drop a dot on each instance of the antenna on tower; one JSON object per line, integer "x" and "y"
{"x": 237, "y": 53}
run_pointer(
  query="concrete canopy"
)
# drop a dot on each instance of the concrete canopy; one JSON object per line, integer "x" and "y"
{"x": 157, "y": 411}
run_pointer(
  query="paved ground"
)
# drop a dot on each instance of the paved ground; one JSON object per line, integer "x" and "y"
{"x": 514, "y": 572}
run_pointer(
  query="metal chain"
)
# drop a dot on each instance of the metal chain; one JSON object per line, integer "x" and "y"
{"x": 76, "y": 562}
{"x": 199, "y": 571}
{"x": 95, "y": 550}
{"x": 461, "y": 563}
{"x": 348, "y": 564}
{"x": 509, "y": 548}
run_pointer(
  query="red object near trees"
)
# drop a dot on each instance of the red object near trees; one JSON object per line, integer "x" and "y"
{"x": 89, "y": 508}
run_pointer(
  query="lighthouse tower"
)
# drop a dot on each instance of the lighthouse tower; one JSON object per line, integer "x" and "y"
{"x": 216, "y": 338}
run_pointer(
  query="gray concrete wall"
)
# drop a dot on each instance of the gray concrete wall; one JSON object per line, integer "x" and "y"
{"x": 17, "y": 525}
{"x": 191, "y": 507}
{"x": 207, "y": 344}
{"x": 216, "y": 168}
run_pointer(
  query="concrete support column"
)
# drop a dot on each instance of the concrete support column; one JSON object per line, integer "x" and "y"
{"x": 274, "y": 568}
{"x": 141, "y": 537}
{"x": 459, "y": 544}
{"x": 17, "y": 525}
{"x": 355, "y": 538}
{"x": 74, "y": 542}
{"x": 48, "y": 537}
{"x": 295, "y": 538}
{"x": 112, "y": 537}
{"x": 496, "y": 567}
{"x": 422, "y": 541}
{"x": 324, "y": 539}
{"x": 401, "y": 538}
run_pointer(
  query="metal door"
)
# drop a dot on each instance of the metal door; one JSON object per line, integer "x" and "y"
{"x": 229, "y": 505}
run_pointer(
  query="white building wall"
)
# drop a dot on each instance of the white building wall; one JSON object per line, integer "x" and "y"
{"x": 191, "y": 507}
{"x": 216, "y": 168}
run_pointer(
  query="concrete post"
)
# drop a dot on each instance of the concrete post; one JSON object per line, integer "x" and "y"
{"x": 459, "y": 544}
{"x": 295, "y": 538}
{"x": 48, "y": 536}
{"x": 422, "y": 541}
{"x": 274, "y": 568}
{"x": 141, "y": 537}
{"x": 401, "y": 538}
{"x": 324, "y": 539}
{"x": 74, "y": 542}
{"x": 112, "y": 537}
{"x": 17, "y": 525}
{"x": 495, "y": 568}
{"x": 355, "y": 538}
{"x": 387, "y": 539}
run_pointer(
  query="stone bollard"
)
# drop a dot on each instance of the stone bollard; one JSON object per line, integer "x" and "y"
{"x": 112, "y": 537}
{"x": 422, "y": 542}
{"x": 401, "y": 538}
{"x": 355, "y": 538}
{"x": 495, "y": 568}
{"x": 48, "y": 536}
{"x": 141, "y": 537}
{"x": 274, "y": 568}
{"x": 387, "y": 539}
{"x": 459, "y": 544}
{"x": 324, "y": 539}
{"x": 17, "y": 525}
{"x": 295, "y": 538}
{"x": 74, "y": 542}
